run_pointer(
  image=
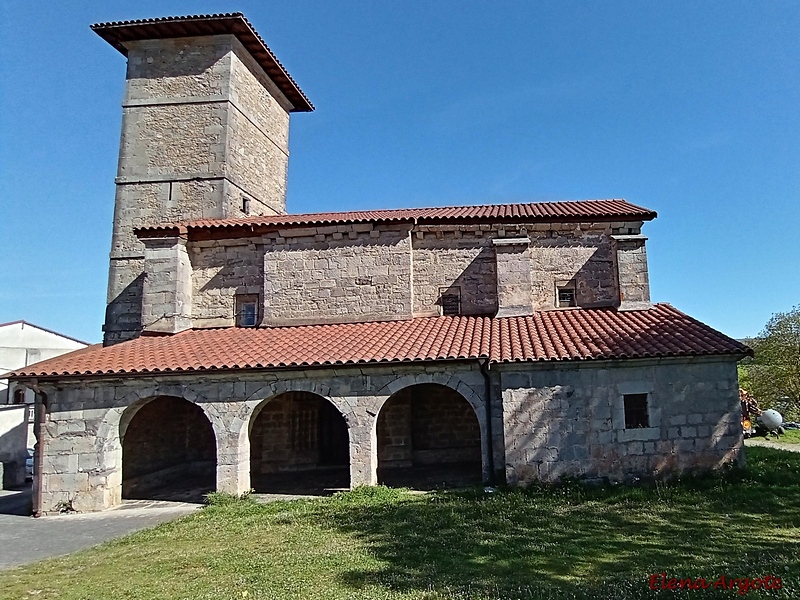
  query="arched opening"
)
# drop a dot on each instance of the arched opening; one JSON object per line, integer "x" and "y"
{"x": 428, "y": 437}
{"x": 299, "y": 444}
{"x": 169, "y": 452}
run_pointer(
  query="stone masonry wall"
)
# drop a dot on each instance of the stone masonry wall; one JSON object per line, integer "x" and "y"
{"x": 427, "y": 425}
{"x": 570, "y": 420}
{"x": 454, "y": 257}
{"x": 82, "y": 450}
{"x": 258, "y": 144}
{"x": 221, "y": 270}
{"x": 167, "y": 293}
{"x": 197, "y": 138}
{"x": 632, "y": 275}
{"x": 548, "y": 420}
{"x": 337, "y": 273}
{"x": 297, "y": 431}
{"x": 582, "y": 258}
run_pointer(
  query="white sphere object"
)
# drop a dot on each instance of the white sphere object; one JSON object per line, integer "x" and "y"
{"x": 771, "y": 419}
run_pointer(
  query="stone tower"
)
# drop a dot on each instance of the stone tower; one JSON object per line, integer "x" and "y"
{"x": 205, "y": 134}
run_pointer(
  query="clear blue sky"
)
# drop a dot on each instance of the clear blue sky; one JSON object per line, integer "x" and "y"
{"x": 689, "y": 108}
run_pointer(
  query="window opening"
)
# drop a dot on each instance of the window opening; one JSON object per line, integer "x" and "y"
{"x": 566, "y": 297}
{"x": 246, "y": 311}
{"x": 636, "y": 411}
{"x": 450, "y": 300}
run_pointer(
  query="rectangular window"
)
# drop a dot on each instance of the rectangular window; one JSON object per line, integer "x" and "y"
{"x": 636, "y": 411}
{"x": 566, "y": 297}
{"x": 246, "y": 311}
{"x": 450, "y": 300}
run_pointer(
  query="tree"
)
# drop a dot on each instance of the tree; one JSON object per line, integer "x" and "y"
{"x": 773, "y": 374}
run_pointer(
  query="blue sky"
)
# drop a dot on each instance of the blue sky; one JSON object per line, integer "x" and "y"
{"x": 689, "y": 108}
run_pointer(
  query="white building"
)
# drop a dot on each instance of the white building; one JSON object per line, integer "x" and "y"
{"x": 22, "y": 344}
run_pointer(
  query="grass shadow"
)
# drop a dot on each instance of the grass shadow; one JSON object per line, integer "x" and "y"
{"x": 577, "y": 541}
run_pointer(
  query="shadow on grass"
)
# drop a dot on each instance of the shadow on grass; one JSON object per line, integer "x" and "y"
{"x": 574, "y": 541}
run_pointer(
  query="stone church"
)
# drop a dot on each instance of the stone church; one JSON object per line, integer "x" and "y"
{"x": 250, "y": 348}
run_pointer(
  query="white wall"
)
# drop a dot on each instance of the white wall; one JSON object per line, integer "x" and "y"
{"x": 13, "y": 448}
{"x": 22, "y": 344}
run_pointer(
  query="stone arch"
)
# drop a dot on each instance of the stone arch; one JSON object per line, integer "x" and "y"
{"x": 108, "y": 441}
{"x": 109, "y": 429}
{"x": 257, "y": 399}
{"x": 428, "y": 434}
{"x": 299, "y": 442}
{"x": 449, "y": 380}
{"x": 169, "y": 450}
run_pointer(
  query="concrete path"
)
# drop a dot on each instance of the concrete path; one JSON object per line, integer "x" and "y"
{"x": 772, "y": 444}
{"x": 24, "y": 539}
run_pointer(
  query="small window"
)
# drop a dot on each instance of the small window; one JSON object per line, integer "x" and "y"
{"x": 566, "y": 296}
{"x": 246, "y": 206}
{"x": 19, "y": 396}
{"x": 246, "y": 311}
{"x": 450, "y": 300}
{"x": 636, "y": 411}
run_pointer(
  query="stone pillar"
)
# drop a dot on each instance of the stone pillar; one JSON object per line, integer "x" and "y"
{"x": 632, "y": 275}
{"x": 230, "y": 420}
{"x": 233, "y": 462}
{"x": 363, "y": 446}
{"x": 514, "y": 292}
{"x": 167, "y": 289}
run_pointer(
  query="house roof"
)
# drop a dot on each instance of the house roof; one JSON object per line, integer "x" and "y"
{"x": 566, "y": 211}
{"x": 559, "y": 335}
{"x": 45, "y": 329}
{"x": 117, "y": 33}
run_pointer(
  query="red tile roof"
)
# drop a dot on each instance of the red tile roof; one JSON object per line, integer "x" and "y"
{"x": 565, "y": 335}
{"x": 118, "y": 32}
{"x": 567, "y": 211}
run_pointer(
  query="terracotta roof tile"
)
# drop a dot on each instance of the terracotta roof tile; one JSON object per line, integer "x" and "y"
{"x": 575, "y": 334}
{"x": 118, "y": 32}
{"x": 566, "y": 211}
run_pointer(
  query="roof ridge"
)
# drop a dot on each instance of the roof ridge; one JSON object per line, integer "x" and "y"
{"x": 546, "y": 211}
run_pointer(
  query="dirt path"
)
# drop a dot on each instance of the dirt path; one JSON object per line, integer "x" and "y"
{"x": 770, "y": 444}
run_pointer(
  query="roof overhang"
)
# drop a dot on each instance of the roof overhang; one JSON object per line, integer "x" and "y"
{"x": 117, "y": 33}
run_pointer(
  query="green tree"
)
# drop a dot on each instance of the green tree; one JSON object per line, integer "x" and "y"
{"x": 772, "y": 376}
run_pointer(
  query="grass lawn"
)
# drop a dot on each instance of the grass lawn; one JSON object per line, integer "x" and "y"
{"x": 792, "y": 436}
{"x": 566, "y": 542}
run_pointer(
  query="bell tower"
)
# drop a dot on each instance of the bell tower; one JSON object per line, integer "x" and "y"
{"x": 205, "y": 135}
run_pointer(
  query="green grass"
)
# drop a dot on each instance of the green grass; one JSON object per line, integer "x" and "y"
{"x": 792, "y": 436}
{"x": 570, "y": 541}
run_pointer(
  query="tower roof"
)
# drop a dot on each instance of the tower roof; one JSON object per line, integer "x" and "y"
{"x": 118, "y": 32}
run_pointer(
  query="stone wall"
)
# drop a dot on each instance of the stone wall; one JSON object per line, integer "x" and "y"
{"x": 548, "y": 421}
{"x": 167, "y": 293}
{"x": 569, "y": 421}
{"x": 221, "y": 270}
{"x": 81, "y": 441}
{"x": 362, "y": 271}
{"x": 575, "y": 257}
{"x": 337, "y": 274}
{"x": 297, "y": 431}
{"x": 258, "y": 145}
{"x": 632, "y": 274}
{"x": 453, "y": 258}
{"x": 203, "y": 128}
{"x": 167, "y": 440}
{"x": 427, "y": 425}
